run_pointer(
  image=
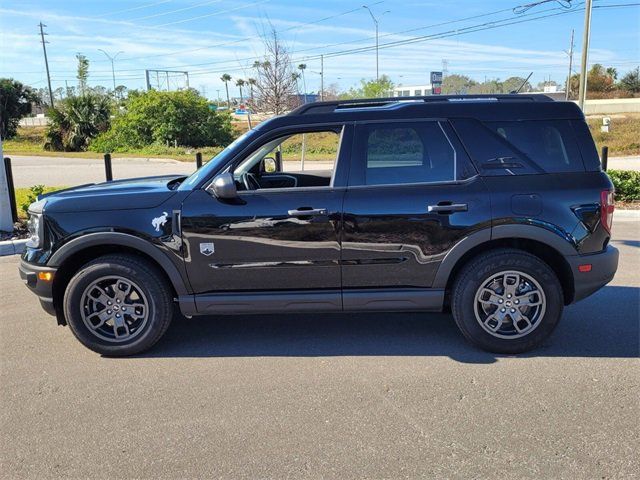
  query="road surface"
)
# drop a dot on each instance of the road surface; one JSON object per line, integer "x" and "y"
{"x": 325, "y": 396}
{"x": 56, "y": 171}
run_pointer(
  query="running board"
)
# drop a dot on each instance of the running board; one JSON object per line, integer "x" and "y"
{"x": 301, "y": 301}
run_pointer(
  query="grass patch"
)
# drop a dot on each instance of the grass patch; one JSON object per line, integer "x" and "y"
{"x": 624, "y": 137}
{"x": 25, "y": 196}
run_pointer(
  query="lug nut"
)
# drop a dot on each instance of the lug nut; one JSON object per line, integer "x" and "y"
{"x": 513, "y": 310}
{"x": 117, "y": 315}
{"x": 109, "y": 302}
{"x": 109, "y": 311}
{"x": 517, "y": 302}
{"x": 500, "y": 301}
{"x": 508, "y": 295}
{"x": 503, "y": 310}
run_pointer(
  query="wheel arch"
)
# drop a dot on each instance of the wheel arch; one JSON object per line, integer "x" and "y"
{"x": 71, "y": 256}
{"x": 545, "y": 245}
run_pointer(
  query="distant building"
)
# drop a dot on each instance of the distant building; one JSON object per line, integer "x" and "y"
{"x": 411, "y": 90}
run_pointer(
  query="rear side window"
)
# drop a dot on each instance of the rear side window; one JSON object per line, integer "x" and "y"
{"x": 399, "y": 153}
{"x": 550, "y": 144}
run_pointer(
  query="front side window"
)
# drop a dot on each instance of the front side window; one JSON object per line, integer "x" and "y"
{"x": 399, "y": 153}
{"x": 294, "y": 160}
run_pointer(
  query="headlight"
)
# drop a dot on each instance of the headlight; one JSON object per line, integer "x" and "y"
{"x": 35, "y": 230}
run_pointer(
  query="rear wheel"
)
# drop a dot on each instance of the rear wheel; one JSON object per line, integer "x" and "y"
{"x": 118, "y": 305}
{"x": 507, "y": 301}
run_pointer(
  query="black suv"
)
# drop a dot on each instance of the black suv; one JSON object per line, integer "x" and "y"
{"x": 493, "y": 206}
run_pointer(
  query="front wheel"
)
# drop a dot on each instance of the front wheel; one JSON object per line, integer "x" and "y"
{"x": 507, "y": 301}
{"x": 118, "y": 305}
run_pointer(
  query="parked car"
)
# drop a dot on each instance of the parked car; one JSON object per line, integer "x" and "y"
{"x": 495, "y": 207}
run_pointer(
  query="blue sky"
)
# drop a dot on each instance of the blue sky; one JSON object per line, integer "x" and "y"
{"x": 209, "y": 38}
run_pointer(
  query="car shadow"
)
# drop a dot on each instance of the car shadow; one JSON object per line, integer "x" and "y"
{"x": 604, "y": 325}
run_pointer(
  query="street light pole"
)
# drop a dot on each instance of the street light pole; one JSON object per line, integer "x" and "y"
{"x": 582, "y": 92}
{"x": 375, "y": 22}
{"x": 113, "y": 70}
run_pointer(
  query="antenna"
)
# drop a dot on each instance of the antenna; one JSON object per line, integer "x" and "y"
{"x": 523, "y": 84}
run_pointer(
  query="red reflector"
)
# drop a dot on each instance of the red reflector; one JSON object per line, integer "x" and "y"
{"x": 584, "y": 268}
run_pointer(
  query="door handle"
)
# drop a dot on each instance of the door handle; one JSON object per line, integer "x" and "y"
{"x": 447, "y": 207}
{"x": 307, "y": 212}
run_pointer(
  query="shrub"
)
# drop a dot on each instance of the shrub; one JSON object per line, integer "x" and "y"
{"x": 626, "y": 183}
{"x": 75, "y": 121}
{"x": 32, "y": 196}
{"x": 161, "y": 118}
{"x": 16, "y": 100}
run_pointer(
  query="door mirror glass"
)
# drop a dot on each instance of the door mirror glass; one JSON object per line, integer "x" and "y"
{"x": 269, "y": 165}
{"x": 224, "y": 186}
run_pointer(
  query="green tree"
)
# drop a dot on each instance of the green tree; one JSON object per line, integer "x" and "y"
{"x": 512, "y": 84}
{"x": 241, "y": 83}
{"x": 83, "y": 72}
{"x": 631, "y": 81}
{"x": 599, "y": 79}
{"x": 226, "y": 78}
{"x": 155, "y": 117}
{"x": 382, "y": 87}
{"x": 16, "y": 100}
{"x": 457, "y": 84}
{"x": 75, "y": 121}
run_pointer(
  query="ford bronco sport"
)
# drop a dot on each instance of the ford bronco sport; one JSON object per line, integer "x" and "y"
{"x": 493, "y": 206}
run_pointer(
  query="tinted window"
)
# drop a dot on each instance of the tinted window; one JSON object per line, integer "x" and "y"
{"x": 550, "y": 144}
{"x": 407, "y": 153}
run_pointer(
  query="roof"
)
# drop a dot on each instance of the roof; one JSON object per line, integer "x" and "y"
{"x": 480, "y": 107}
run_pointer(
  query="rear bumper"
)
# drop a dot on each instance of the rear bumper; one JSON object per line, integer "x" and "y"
{"x": 603, "y": 269}
{"x": 42, "y": 288}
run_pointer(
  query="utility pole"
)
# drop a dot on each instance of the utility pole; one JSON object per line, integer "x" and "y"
{"x": 375, "y": 22}
{"x": 582, "y": 92}
{"x": 113, "y": 71}
{"x": 46, "y": 61}
{"x": 568, "y": 86}
{"x": 321, "y": 78}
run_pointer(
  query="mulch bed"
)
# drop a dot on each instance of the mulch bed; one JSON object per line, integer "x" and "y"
{"x": 19, "y": 231}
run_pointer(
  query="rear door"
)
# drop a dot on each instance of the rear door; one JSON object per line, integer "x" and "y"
{"x": 412, "y": 195}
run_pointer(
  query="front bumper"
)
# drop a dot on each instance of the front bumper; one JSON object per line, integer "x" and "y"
{"x": 603, "y": 269}
{"x": 42, "y": 288}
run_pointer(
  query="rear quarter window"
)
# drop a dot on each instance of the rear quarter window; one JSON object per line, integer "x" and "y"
{"x": 550, "y": 144}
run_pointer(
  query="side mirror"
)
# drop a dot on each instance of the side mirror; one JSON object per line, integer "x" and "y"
{"x": 224, "y": 186}
{"x": 269, "y": 165}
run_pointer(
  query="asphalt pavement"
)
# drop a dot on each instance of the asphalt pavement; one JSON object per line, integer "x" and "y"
{"x": 65, "y": 171}
{"x": 326, "y": 396}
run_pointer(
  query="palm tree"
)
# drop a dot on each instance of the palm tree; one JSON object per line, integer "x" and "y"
{"x": 302, "y": 67}
{"x": 240, "y": 83}
{"x": 226, "y": 78}
{"x": 252, "y": 83}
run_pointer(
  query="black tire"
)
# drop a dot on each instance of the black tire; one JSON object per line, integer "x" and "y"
{"x": 155, "y": 292}
{"x": 482, "y": 269}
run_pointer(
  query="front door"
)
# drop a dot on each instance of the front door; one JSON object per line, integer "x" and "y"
{"x": 282, "y": 233}
{"x": 413, "y": 194}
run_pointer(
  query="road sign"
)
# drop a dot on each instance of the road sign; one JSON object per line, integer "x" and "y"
{"x": 436, "y": 83}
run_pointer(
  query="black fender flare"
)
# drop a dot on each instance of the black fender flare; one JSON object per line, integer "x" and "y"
{"x": 126, "y": 240}
{"x": 554, "y": 239}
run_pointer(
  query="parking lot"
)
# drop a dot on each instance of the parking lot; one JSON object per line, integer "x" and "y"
{"x": 326, "y": 396}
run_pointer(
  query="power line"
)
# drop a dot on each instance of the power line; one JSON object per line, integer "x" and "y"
{"x": 133, "y": 8}
{"x": 208, "y": 2}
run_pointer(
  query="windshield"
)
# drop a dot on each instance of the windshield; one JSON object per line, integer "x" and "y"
{"x": 218, "y": 161}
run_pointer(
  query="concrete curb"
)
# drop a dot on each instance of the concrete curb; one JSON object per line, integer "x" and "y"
{"x": 12, "y": 247}
{"x": 626, "y": 214}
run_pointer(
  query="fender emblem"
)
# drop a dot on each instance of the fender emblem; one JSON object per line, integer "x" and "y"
{"x": 159, "y": 221}
{"x": 207, "y": 249}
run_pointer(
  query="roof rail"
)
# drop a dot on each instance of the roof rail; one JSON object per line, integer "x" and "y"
{"x": 332, "y": 106}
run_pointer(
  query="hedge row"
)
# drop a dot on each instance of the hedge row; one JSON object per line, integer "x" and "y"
{"x": 627, "y": 184}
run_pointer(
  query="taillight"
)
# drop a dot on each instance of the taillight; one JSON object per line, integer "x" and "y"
{"x": 606, "y": 209}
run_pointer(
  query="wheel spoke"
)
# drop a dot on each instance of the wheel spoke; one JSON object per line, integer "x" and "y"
{"x": 102, "y": 316}
{"x": 493, "y": 299}
{"x": 519, "y": 317}
{"x": 511, "y": 282}
{"x": 119, "y": 325}
{"x": 525, "y": 300}
{"x": 498, "y": 321}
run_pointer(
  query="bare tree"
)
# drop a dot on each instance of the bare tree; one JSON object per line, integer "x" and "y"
{"x": 275, "y": 84}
